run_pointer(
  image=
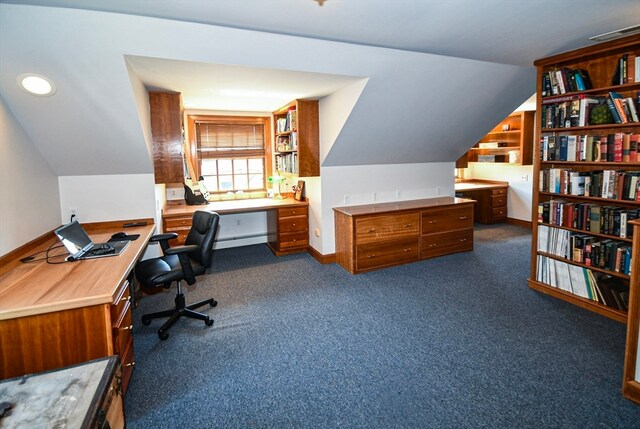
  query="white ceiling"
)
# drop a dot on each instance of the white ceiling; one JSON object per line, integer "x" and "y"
{"x": 438, "y": 73}
{"x": 503, "y": 31}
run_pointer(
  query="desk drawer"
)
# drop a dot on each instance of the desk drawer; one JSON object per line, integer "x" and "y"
{"x": 447, "y": 242}
{"x": 177, "y": 222}
{"x": 501, "y": 191}
{"x": 447, "y": 219}
{"x": 293, "y": 211}
{"x": 385, "y": 227}
{"x": 127, "y": 361}
{"x": 121, "y": 302}
{"x": 294, "y": 240}
{"x": 122, "y": 332}
{"x": 293, "y": 224}
{"x": 381, "y": 254}
{"x": 498, "y": 201}
{"x": 499, "y": 213}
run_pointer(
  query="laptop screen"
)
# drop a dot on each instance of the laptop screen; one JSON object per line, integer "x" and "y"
{"x": 74, "y": 238}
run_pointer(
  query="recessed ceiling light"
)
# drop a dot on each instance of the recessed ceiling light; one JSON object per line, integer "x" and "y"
{"x": 36, "y": 84}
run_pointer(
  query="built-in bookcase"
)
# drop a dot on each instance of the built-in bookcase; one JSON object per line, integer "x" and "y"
{"x": 588, "y": 172}
{"x": 296, "y": 140}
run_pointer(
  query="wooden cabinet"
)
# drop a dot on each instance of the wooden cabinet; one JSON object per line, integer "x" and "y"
{"x": 631, "y": 378}
{"x": 490, "y": 196}
{"x": 511, "y": 141}
{"x": 296, "y": 143}
{"x": 375, "y": 236}
{"x": 581, "y": 244}
{"x": 167, "y": 133}
{"x": 288, "y": 229}
{"x": 180, "y": 224}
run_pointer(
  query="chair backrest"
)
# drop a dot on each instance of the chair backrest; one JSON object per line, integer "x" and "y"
{"x": 204, "y": 226}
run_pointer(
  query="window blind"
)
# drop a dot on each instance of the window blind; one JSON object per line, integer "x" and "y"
{"x": 230, "y": 140}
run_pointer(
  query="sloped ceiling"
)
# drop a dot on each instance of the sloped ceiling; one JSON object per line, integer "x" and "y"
{"x": 416, "y": 106}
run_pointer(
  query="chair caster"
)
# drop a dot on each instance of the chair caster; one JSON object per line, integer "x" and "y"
{"x": 213, "y": 303}
{"x": 146, "y": 321}
{"x": 208, "y": 321}
{"x": 163, "y": 335}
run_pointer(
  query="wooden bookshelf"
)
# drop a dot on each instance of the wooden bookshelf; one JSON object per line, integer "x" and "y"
{"x": 570, "y": 165}
{"x": 296, "y": 139}
{"x": 512, "y": 135}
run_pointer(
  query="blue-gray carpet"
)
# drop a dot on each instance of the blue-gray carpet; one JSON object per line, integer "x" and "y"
{"x": 454, "y": 342}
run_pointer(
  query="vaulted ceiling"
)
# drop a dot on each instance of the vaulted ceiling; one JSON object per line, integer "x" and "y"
{"x": 438, "y": 74}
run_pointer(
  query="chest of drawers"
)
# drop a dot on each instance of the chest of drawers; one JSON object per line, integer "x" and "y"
{"x": 376, "y": 236}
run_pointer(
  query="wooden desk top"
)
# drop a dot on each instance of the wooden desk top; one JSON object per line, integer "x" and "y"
{"x": 38, "y": 287}
{"x": 476, "y": 184}
{"x": 367, "y": 209}
{"x": 231, "y": 206}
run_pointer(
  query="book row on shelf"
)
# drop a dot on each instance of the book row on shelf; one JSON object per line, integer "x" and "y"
{"x": 583, "y": 282}
{"x": 565, "y": 79}
{"x": 287, "y": 163}
{"x": 588, "y": 217}
{"x": 287, "y": 123}
{"x": 582, "y": 110}
{"x": 605, "y": 253}
{"x": 612, "y": 147}
{"x": 287, "y": 143}
{"x": 610, "y": 184}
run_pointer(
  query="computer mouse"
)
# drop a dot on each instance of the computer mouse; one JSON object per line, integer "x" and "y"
{"x": 119, "y": 235}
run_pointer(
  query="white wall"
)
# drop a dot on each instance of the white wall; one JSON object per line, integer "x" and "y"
{"x": 345, "y": 186}
{"x": 108, "y": 197}
{"x": 29, "y": 195}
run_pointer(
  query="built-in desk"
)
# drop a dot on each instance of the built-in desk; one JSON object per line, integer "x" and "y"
{"x": 490, "y": 197}
{"x": 287, "y": 220}
{"x": 55, "y": 315}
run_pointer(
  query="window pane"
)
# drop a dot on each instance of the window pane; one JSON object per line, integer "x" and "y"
{"x": 211, "y": 183}
{"x": 239, "y": 166}
{"x": 226, "y": 183}
{"x": 256, "y": 165}
{"x": 256, "y": 181}
{"x": 225, "y": 167}
{"x": 208, "y": 167}
{"x": 241, "y": 182}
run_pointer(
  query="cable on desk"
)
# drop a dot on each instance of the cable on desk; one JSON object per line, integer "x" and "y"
{"x": 32, "y": 257}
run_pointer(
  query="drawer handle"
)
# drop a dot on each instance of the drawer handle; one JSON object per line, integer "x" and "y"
{"x": 463, "y": 240}
{"x": 371, "y": 256}
{"x": 125, "y": 298}
{"x": 408, "y": 225}
{"x": 433, "y": 244}
{"x": 464, "y": 217}
{"x": 433, "y": 221}
{"x": 407, "y": 250}
{"x": 293, "y": 224}
{"x": 127, "y": 365}
{"x": 127, "y": 328}
{"x": 372, "y": 230}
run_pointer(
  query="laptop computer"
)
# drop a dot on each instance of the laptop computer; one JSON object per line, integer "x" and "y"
{"x": 80, "y": 246}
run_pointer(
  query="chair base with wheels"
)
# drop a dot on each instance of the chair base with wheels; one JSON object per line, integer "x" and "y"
{"x": 180, "y": 310}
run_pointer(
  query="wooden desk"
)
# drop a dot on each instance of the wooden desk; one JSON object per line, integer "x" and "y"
{"x": 287, "y": 220}
{"x": 490, "y": 197}
{"x": 56, "y": 315}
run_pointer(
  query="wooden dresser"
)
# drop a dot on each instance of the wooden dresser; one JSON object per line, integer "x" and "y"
{"x": 490, "y": 197}
{"x": 374, "y": 236}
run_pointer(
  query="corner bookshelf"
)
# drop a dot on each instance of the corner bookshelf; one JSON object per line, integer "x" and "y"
{"x": 513, "y": 134}
{"x": 296, "y": 142}
{"x": 588, "y": 167}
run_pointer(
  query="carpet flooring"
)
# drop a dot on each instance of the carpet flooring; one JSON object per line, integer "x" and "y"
{"x": 454, "y": 342}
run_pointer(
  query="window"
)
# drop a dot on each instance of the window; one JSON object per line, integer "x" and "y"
{"x": 231, "y": 152}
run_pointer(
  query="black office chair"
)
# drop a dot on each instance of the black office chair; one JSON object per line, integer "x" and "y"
{"x": 181, "y": 263}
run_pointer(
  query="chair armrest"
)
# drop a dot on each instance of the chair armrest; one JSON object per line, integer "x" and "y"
{"x": 177, "y": 250}
{"x": 185, "y": 261}
{"x": 164, "y": 240}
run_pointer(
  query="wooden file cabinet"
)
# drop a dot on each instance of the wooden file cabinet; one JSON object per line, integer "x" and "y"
{"x": 178, "y": 224}
{"x": 288, "y": 229}
{"x": 376, "y": 236}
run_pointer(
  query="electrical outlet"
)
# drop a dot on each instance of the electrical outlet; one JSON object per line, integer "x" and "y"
{"x": 375, "y": 196}
{"x": 438, "y": 190}
{"x": 237, "y": 221}
{"x": 397, "y": 193}
{"x": 73, "y": 213}
{"x": 316, "y": 232}
{"x": 525, "y": 177}
{"x": 347, "y": 199}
